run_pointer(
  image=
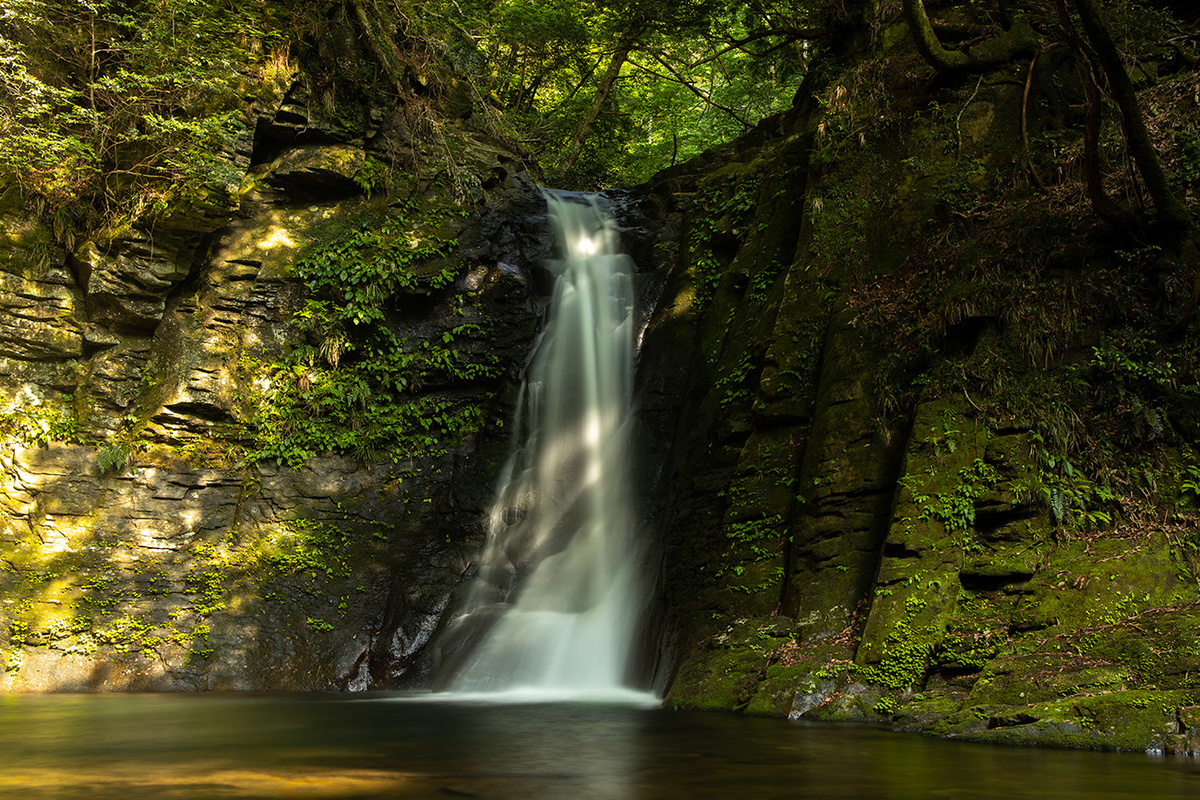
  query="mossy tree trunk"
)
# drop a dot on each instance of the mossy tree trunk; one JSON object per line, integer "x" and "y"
{"x": 1019, "y": 38}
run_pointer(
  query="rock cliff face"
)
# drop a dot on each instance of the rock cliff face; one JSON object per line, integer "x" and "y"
{"x": 881, "y": 359}
{"x": 142, "y": 544}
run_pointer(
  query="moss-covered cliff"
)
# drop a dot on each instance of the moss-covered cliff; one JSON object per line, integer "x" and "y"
{"x": 250, "y": 431}
{"x": 935, "y": 457}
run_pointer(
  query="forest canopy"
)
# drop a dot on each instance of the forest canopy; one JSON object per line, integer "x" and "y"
{"x": 111, "y": 104}
{"x": 603, "y": 93}
{"x": 112, "y": 108}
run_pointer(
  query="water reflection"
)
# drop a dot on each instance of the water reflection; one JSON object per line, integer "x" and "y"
{"x": 204, "y": 746}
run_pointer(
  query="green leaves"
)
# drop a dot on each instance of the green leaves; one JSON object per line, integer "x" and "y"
{"x": 104, "y": 106}
{"x": 689, "y": 75}
{"x": 359, "y": 270}
{"x": 361, "y": 388}
{"x": 955, "y": 509}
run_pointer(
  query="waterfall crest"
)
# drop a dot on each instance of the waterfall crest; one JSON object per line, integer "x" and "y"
{"x": 556, "y": 599}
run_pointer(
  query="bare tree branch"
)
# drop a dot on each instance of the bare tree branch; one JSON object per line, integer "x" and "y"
{"x": 790, "y": 35}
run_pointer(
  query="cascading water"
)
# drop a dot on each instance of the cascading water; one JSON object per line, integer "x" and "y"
{"x": 556, "y": 599}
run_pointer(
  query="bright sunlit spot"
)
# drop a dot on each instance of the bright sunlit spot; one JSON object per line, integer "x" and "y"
{"x": 585, "y": 247}
{"x": 591, "y": 429}
{"x": 278, "y": 238}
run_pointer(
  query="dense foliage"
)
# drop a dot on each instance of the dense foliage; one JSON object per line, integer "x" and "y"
{"x": 108, "y": 109}
{"x": 612, "y": 92}
{"x": 117, "y": 110}
{"x": 360, "y": 387}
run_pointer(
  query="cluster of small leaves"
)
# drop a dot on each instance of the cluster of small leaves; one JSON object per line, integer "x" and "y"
{"x": 107, "y": 108}
{"x": 1072, "y": 497}
{"x": 309, "y": 547}
{"x": 754, "y": 532}
{"x": 352, "y": 275}
{"x": 752, "y": 540}
{"x": 1128, "y": 409}
{"x": 1132, "y": 378}
{"x": 41, "y": 423}
{"x": 294, "y": 427}
{"x": 358, "y": 387}
{"x": 956, "y": 509}
{"x": 716, "y": 212}
{"x": 706, "y": 268}
{"x": 906, "y": 654}
{"x": 302, "y": 548}
{"x": 736, "y": 386}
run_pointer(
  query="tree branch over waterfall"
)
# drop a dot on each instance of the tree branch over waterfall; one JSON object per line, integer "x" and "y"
{"x": 603, "y": 90}
{"x": 690, "y": 86}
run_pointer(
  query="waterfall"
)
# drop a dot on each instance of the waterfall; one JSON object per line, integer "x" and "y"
{"x": 557, "y": 597}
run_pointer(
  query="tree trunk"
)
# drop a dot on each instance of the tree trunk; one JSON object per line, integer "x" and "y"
{"x": 1172, "y": 215}
{"x": 607, "y": 82}
{"x": 998, "y": 50}
{"x": 1108, "y": 209}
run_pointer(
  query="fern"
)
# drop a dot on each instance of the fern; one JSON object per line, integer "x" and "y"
{"x": 1057, "y": 506}
{"x": 113, "y": 457}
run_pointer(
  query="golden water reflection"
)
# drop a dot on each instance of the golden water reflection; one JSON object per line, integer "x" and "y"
{"x": 337, "y": 746}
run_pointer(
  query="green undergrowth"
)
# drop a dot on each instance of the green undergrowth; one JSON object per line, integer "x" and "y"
{"x": 113, "y": 110}
{"x": 93, "y": 602}
{"x": 906, "y": 652}
{"x": 41, "y": 422}
{"x": 722, "y": 211}
{"x": 955, "y": 508}
{"x": 359, "y": 386}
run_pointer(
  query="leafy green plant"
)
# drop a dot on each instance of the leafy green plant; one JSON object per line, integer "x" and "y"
{"x": 754, "y": 533}
{"x": 1071, "y": 496}
{"x": 352, "y": 274}
{"x": 154, "y": 100}
{"x": 906, "y": 652}
{"x": 942, "y": 437}
{"x": 113, "y": 456}
{"x": 735, "y": 385}
{"x": 1188, "y": 169}
{"x": 1131, "y": 376}
{"x": 1190, "y": 484}
{"x": 372, "y": 175}
{"x": 358, "y": 387}
{"x": 955, "y": 509}
{"x": 41, "y": 421}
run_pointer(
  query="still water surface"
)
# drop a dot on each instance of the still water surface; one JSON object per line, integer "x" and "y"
{"x": 379, "y": 745}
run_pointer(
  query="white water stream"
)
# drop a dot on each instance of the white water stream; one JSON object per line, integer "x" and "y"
{"x": 558, "y": 591}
